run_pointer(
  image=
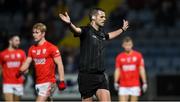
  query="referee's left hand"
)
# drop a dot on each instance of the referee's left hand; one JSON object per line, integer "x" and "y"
{"x": 65, "y": 17}
{"x": 125, "y": 25}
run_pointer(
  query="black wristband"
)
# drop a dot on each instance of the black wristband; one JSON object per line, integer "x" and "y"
{"x": 69, "y": 24}
{"x": 123, "y": 30}
{"x": 21, "y": 72}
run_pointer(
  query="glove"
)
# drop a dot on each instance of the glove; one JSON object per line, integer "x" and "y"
{"x": 116, "y": 86}
{"x": 144, "y": 87}
{"x": 19, "y": 74}
{"x": 61, "y": 85}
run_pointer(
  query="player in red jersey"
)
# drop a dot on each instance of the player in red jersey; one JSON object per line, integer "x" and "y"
{"x": 129, "y": 70}
{"x": 10, "y": 60}
{"x": 44, "y": 55}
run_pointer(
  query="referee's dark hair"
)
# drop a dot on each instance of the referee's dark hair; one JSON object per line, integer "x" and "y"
{"x": 94, "y": 11}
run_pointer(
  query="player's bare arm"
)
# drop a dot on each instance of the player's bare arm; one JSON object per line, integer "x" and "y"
{"x": 119, "y": 31}
{"x": 65, "y": 18}
{"x": 143, "y": 77}
{"x": 143, "y": 74}
{"x": 60, "y": 66}
{"x": 116, "y": 75}
{"x": 24, "y": 67}
{"x": 26, "y": 64}
{"x": 116, "y": 78}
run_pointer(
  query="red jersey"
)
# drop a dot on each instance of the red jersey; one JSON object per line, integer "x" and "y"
{"x": 129, "y": 68}
{"x": 11, "y": 61}
{"x": 42, "y": 56}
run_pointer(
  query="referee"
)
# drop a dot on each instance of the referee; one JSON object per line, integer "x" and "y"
{"x": 91, "y": 78}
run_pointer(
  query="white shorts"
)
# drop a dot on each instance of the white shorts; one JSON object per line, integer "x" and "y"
{"x": 16, "y": 89}
{"x": 133, "y": 91}
{"x": 45, "y": 89}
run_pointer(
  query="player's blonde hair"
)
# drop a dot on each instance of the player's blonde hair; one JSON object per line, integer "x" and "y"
{"x": 40, "y": 26}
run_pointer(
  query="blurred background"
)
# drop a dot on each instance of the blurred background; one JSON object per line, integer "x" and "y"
{"x": 154, "y": 27}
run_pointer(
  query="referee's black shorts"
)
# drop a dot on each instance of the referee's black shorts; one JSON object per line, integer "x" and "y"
{"x": 90, "y": 83}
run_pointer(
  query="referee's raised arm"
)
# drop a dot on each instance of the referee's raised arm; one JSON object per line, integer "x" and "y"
{"x": 65, "y": 18}
{"x": 119, "y": 31}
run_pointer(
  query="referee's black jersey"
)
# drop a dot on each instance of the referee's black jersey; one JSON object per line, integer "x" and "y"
{"x": 92, "y": 45}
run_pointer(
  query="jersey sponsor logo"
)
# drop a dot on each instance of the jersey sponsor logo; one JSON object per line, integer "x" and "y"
{"x": 40, "y": 60}
{"x": 128, "y": 67}
{"x": 13, "y": 64}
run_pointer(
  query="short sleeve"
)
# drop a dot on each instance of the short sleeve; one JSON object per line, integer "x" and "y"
{"x": 30, "y": 52}
{"x": 78, "y": 34}
{"x": 107, "y": 36}
{"x": 23, "y": 56}
{"x": 83, "y": 29}
{"x": 141, "y": 60}
{"x": 1, "y": 58}
{"x": 54, "y": 51}
{"x": 118, "y": 62}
